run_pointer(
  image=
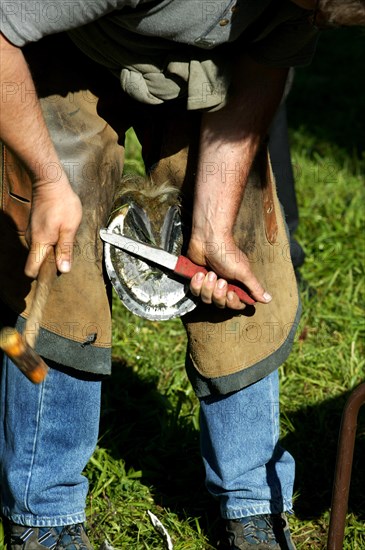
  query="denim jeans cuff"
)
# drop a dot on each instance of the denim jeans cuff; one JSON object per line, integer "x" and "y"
{"x": 37, "y": 521}
{"x": 258, "y": 510}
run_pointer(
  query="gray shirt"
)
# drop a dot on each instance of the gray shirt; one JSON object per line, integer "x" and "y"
{"x": 165, "y": 49}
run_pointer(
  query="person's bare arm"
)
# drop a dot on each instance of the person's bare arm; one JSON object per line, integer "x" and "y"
{"x": 229, "y": 141}
{"x": 56, "y": 209}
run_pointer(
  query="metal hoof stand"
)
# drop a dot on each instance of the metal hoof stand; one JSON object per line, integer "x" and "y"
{"x": 345, "y": 453}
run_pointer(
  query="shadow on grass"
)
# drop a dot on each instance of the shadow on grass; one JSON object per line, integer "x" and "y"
{"x": 139, "y": 426}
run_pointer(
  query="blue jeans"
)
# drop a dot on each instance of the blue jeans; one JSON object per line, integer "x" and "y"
{"x": 47, "y": 434}
{"x": 246, "y": 469}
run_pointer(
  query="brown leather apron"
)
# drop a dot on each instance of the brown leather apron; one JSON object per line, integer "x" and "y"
{"x": 84, "y": 122}
{"x": 222, "y": 342}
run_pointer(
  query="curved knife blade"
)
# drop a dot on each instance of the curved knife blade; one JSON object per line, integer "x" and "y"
{"x": 178, "y": 264}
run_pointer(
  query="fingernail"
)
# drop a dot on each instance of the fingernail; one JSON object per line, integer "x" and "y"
{"x": 221, "y": 283}
{"x": 199, "y": 277}
{"x": 65, "y": 266}
{"x": 212, "y": 276}
{"x": 267, "y": 297}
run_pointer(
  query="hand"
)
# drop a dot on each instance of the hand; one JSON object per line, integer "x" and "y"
{"x": 55, "y": 218}
{"x": 228, "y": 261}
{"x": 56, "y": 210}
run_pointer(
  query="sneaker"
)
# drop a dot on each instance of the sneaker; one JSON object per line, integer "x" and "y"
{"x": 264, "y": 532}
{"x": 73, "y": 537}
{"x": 69, "y": 537}
{"x": 20, "y": 537}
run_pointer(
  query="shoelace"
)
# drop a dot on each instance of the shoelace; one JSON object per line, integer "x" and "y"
{"x": 46, "y": 538}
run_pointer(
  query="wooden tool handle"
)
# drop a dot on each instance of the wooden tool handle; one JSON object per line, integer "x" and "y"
{"x": 46, "y": 277}
{"x": 22, "y": 355}
{"x": 20, "y": 348}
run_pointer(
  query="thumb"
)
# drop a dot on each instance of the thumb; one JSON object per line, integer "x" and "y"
{"x": 257, "y": 291}
{"x": 64, "y": 251}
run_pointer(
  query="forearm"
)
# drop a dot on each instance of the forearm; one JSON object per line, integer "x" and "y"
{"x": 56, "y": 209}
{"x": 22, "y": 127}
{"x": 230, "y": 139}
{"x": 229, "y": 142}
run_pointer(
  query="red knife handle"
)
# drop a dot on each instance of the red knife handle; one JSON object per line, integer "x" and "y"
{"x": 188, "y": 269}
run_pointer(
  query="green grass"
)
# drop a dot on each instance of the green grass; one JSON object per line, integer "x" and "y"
{"x": 148, "y": 453}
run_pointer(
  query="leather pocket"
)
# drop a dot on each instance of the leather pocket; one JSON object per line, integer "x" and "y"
{"x": 16, "y": 192}
{"x": 271, "y": 224}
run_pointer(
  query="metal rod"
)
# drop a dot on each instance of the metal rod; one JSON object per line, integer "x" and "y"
{"x": 345, "y": 453}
